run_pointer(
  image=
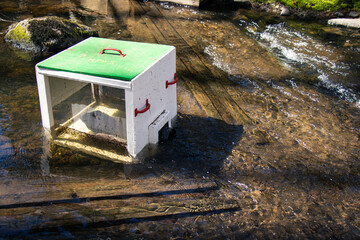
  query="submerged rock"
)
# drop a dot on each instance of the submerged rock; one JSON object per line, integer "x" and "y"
{"x": 46, "y": 34}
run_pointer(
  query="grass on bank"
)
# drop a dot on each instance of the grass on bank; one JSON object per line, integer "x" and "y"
{"x": 319, "y": 5}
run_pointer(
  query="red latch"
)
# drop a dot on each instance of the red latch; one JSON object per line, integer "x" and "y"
{"x": 143, "y": 110}
{"x": 173, "y": 82}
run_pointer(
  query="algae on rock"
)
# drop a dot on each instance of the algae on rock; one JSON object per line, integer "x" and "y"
{"x": 19, "y": 35}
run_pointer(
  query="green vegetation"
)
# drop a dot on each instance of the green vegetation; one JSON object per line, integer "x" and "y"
{"x": 319, "y": 5}
{"x": 19, "y": 33}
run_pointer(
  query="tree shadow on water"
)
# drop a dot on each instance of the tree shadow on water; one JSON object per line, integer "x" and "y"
{"x": 201, "y": 145}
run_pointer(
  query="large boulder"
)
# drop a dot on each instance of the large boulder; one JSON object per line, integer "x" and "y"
{"x": 46, "y": 34}
{"x": 345, "y": 22}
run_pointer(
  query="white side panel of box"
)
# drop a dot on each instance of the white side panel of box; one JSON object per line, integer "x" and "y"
{"x": 170, "y": 95}
{"x": 151, "y": 85}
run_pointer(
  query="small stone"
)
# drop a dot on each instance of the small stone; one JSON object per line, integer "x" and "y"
{"x": 339, "y": 14}
{"x": 353, "y": 14}
{"x": 4, "y": 139}
{"x": 268, "y": 114}
{"x": 285, "y": 11}
{"x": 39, "y": 212}
{"x": 134, "y": 230}
{"x": 3, "y": 173}
{"x": 6, "y": 146}
{"x": 74, "y": 195}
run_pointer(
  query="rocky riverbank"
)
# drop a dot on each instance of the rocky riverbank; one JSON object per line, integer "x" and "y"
{"x": 277, "y": 9}
{"x": 280, "y": 9}
{"x": 344, "y": 18}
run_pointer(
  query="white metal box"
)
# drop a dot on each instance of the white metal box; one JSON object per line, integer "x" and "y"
{"x": 116, "y": 91}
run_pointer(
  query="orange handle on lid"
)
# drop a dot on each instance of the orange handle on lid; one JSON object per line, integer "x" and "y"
{"x": 114, "y": 49}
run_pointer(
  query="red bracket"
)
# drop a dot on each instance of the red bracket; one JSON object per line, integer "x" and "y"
{"x": 143, "y": 110}
{"x": 114, "y": 49}
{"x": 173, "y": 82}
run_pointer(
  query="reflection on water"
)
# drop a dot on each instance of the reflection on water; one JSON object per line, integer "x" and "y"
{"x": 267, "y": 136}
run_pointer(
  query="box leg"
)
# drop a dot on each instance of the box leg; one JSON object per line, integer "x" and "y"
{"x": 47, "y": 116}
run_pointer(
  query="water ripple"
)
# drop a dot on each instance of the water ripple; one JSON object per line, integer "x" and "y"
{"x": 302, "y": 52}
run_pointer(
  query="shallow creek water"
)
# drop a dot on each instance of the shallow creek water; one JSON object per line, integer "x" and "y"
{"x": 267, "y": 135}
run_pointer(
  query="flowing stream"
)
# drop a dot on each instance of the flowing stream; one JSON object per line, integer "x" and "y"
{"x": 287, "y": 168}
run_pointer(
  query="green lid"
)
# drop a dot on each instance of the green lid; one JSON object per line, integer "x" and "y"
{"x": 84, "y": 58}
